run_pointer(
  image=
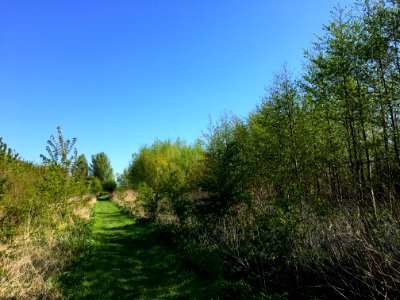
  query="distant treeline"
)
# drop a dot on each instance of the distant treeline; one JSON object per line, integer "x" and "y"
{"x": 301, "y": 198}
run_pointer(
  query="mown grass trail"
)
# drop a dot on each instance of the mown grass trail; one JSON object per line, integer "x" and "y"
{"x": 130, "y": 261}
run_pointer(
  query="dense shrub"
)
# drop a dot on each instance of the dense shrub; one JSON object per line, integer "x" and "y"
{"x": 161, "y": 173}
{"x": 41, "y": 208}
{"x": 109, "y": 185}
{"x": 95, "y": 184}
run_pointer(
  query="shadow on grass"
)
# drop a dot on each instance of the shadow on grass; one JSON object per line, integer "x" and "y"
{"x": 130, "y": 261}
{"x": 103, "y": 198}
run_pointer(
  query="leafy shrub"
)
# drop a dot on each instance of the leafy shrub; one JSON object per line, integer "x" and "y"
{"x": 109, "y": 185}
{"x": 161, "y": 172}
{"x": 95, "y": 184}
{"x": 148, "y": 200}
{"x": 39, "y": 218}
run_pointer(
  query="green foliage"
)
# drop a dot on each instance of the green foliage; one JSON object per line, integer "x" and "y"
{"x": 162, "y": 171}
{"x": 6, "y": 153}
{"x": 147, "y": 198}
{"x": 123, "y": 179}
{"x": 109, "y": 186}
{"x": 38, "y": 224}
{"x": 101, "y": 167}
{"x": 81, "y": 167}
{"x": 223, "y": 171}
{"x": 59, "y": 150}
{"x": 7, "y": 157}
{"x": 297, "y": 193}
{"x": 35, "y": 194}
{"x": 95, "y": 184}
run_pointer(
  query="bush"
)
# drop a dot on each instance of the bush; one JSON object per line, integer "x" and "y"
{"x": 160, "y": 174}
{"x": 39, "y": 218}
{"x": 148, "y": 200}
{"x": 95, "y": 184}
{"x": 109, "y": 186}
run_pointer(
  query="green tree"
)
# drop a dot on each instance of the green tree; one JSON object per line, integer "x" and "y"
{"x": 101, "y": 167}
{"x": 161, "y": 171}
{"x": 123, "y": 179}
{"x": 223, "y": 169}
{"x": 6, "y": 152}
{"x": 94, "y": 184}
{"x": 351, "y": 82}
{"x": 81, "y": 167}
{"x": 6, "y": 156}
{"x": 280, "y": 140}
{"x": 59, "y": 151}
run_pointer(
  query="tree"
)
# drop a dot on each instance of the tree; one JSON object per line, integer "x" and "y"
{"x": 6, "y": 152}
{"x": 280, "y": 140}
{"x": 161, "y": 171}
{"x": 6, "y": 156}
{"x": 95, "y": 184}
{"x": 223, "y": 169}
{"x": 351, "y": 80}
{"x": 81, "y": 168}
{"x": 101, "y": 167}
{"x": 109, "y": 186}
{"x": 59, "y": 150}
{"x": 123, "y": 179}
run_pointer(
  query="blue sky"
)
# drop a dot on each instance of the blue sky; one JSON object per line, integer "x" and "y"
{"x": 120, "y": 74}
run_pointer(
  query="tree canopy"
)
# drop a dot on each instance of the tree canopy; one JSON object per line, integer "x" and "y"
{"x": 100, "y": 167}
{"x": 81, "y": 167}
{"x": 59, "y": 151}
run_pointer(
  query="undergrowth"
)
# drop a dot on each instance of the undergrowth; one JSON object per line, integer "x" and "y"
{"x": 44, "y": 223}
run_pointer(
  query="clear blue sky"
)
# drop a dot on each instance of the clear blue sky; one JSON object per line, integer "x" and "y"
{"x": 120, "y": 74}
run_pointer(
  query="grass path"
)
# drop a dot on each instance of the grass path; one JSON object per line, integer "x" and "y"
{"x": 130, "y": 261}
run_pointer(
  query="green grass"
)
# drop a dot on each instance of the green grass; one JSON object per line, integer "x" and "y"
{"x": 130, "y": 261}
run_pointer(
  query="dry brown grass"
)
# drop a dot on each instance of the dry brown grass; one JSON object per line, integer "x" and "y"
{"x": 25, "y": 271}
{"x": 29, "y": 263}
{"x": 85, "y": 212}
{"x": 3, "y": 247}
{"x": 128, "y": 201}
{"x": 130, "y": 196}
